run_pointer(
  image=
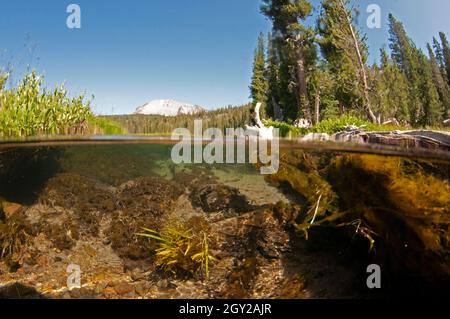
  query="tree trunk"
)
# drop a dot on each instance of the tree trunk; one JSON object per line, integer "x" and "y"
{"x": 317, "y": 107}
{"x": 341, "y": 109}
{"x": 301, "y": 82}
{"x": 277, "y": 111}
{"x": 362, "y": 66}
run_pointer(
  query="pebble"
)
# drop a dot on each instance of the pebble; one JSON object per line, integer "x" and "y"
{"x": 137, "y": 274}
{"x": 141, "y": 288}
{"x": 11, "y": 209}
{"x": 100, "y": 287}
{"x": 163, "y": 284}
{"x": 123, "y": 288}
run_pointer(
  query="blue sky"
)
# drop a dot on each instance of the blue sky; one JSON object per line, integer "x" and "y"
{"x": 198, "y": 51}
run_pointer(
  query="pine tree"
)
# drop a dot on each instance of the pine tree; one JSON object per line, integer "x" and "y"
{"x": 425, "y": 107}
{"x": 391, "y": 90}
{"x": 322, "y": 87}
{"x": 432, "y": 106}
{"x": 346, "y": 52}
{"x": 259, "y": 85}
{"x": 446, "y": 54}
{"x": 439, "y": 57}
{"x": 296, "y": 44}
{"x": 439, "y": 82}
{"x": 273, "y": 79}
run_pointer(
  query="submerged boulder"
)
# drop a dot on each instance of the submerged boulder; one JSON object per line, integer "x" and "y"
{"x": 219, "y": 198}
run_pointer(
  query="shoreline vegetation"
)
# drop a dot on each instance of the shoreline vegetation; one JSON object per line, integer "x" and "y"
{"x": 309, "y": 79}
{"x": 304, "y": 73}
{"x": 31, "y": 110}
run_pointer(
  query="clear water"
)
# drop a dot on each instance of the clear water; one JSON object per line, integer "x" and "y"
{"x": 81, "y": 202}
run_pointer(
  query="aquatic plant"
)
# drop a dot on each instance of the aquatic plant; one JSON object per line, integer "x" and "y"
{"x": 402, "y": 204}
{"x": 31, "y": 110}
{"x": 14, "y": 236}
{"x": 3, "y": 78}
{"x": 413, "y": 199}
{"x": 103, "y": 125}
{"x": 181, "y": 250}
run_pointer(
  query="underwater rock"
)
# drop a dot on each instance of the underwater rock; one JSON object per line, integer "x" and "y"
{"x": 11, "y": 209}
{"x": 218, "y": 198}
{"x": 245, "y": 243}
{"x": 18, "y": 290}
{"x": 142, "y": 202}
{"x": 124, "y": 288}
{"x": 303, "y": 172}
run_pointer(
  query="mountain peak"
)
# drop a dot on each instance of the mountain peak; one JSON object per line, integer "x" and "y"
{"x": 168, "y": 108}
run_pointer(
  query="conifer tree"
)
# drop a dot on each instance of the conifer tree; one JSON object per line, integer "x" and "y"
{"x": 273, "y": 79}
{"x": 259, "y": 86}
{"x": 391, "y": 90}
{"x": 425, "y": 107}
{"x": 446, "y": 54}
{"x": 296, "y": 46}
{"x": 439, "y": 82}
{"x": 440, "y": 57}
{"x": 346, "y": 52}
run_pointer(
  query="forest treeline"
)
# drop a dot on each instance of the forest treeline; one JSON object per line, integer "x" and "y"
{"x": 321, "y": 71}
{"x": 227, "y": 117}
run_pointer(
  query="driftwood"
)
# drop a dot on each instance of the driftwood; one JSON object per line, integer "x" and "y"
{"x": 260, "y": 129}
{"x": 430, "y": 140}
{"x": 361, "y": 64}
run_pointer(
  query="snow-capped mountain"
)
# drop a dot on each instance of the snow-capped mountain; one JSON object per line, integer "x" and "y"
{"x": 168, "y": 108}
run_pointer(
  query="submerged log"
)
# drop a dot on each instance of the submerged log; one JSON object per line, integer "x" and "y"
{"x": 400, "y": 205}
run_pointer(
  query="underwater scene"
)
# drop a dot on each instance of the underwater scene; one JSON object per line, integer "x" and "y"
{"x": 225, "y": 158}
{"x": 126, "y": 222}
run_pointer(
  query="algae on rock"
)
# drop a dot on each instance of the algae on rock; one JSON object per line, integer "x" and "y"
{"x": 404, "y": 203}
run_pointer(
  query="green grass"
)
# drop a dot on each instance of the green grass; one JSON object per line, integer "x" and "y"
{"x": 101, "y": 125}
